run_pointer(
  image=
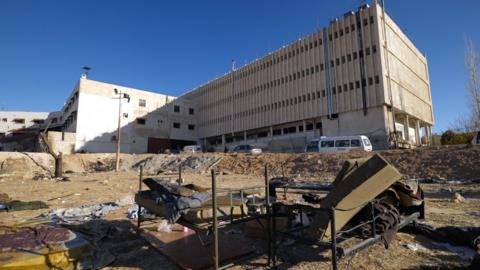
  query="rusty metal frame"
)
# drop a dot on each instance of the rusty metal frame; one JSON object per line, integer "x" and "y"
{"x": 213, "y": 226}
{"x": 336, "y": 251}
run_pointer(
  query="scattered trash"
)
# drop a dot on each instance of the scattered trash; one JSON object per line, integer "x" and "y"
{"x": 9, "y": 205}
{"x": 458, "y": 198}
{"x": 463, "y": 252}
{"x": 82, "y": 213}
{"x": 164, "y": 227}
{"x": 133, "y": 212}
{"x": 415, "y": 247}
{"x": 40, "y": 247}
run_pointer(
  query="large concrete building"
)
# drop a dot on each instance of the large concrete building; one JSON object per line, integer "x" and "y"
{"x": 359, "y": 75}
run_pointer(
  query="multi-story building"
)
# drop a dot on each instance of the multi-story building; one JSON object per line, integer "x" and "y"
{"x": 359, "y": 75}
{"x": 15, "y": 120}
{"x": 149, "y": 122}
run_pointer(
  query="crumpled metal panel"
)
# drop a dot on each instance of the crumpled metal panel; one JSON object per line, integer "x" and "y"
{"x": 352, "y": 192}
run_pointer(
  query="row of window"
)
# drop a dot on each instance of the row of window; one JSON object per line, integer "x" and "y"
{"x": 22, "y": 121}
{"x": 290, "y": 54}
{"x": 293, "y": 77}
{"x": 143, "y": 121}
{"x": 263, "y": 134}
{"x": 71, "y": 102}
{"x": 176, "y": 108}
{"x": 294, "y": 100}
{"x": 350, "y": 28}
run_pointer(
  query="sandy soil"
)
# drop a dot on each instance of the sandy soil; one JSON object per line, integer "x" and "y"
{"x": 133, "y": 252}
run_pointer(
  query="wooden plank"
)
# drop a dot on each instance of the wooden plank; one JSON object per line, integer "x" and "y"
{"x": 184, "y": 248}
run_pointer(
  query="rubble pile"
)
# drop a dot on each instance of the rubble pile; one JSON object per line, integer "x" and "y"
{"x": 157, "y": 164}
{"x": 438, "y": 163}
{"x": 433, "y": 163}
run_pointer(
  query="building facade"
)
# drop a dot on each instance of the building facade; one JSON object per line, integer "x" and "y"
{"x": 15, "y": 120}
{"x": 149, "y": 122}
{"x": 360, "y": 75}
{"x": 348, "y": 78}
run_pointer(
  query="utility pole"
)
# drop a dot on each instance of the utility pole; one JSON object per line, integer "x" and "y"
{"x": 389, "y": 80}
{"x": 120, "y": 97}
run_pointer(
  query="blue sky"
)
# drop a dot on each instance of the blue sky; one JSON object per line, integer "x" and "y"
{"x": 173, "y": 46}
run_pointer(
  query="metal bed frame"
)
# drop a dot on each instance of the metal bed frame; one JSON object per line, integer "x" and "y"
{"x": 213, "y": 225}
{"x": 271, "y": 232}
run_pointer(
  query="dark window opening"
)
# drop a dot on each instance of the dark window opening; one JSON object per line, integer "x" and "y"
{"x": 142, "y": 103}
{"x": 141, "y": 121}
{"x": 19, "y": 121}
{"x": 191, "y": 111}
{"x": 191, "y": 127}
{"x": 176, "y": 108}
{"x": 176, "y": 125}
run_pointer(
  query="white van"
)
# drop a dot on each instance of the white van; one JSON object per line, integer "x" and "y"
{"x": 339, "y": 144}
{"x": 192, "y": 149}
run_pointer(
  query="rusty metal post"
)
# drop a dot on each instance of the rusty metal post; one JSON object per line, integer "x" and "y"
{"x": 333, "y": 232}
{"x": 59, "y": 165}
{"x": 215, "y": 225}
{"x": 274, "y": 238}
{"x": 267, "y": 216}
{"x": 140, "y": 179}
{"x": 180, "y": 180}
{"x": 374, "y": 233}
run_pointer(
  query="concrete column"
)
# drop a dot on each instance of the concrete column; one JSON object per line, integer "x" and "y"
{"x": 429, "y": 131}
{"x": 245, "y": 137}
{"x": 304, "y": 126}
{"x": 271, "y": 132}
{"x": 417, "y": 132}
{"x": 405, "y": 128}
{"x": 223, "y": 141}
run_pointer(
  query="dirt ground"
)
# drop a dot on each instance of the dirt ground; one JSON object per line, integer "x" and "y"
{"x": 90, "y": 182}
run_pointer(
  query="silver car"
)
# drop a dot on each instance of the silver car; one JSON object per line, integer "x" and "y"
{"x": 246, "y": 148}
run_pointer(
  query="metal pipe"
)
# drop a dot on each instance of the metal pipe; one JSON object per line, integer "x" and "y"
{"x": 268, "y": 217}
{"x": 333, "y": 233}
{"x": 215, "y": 225}
{"x": 140, "y": 179}
{"x": 180, "y": 180}
{"x": 374, "y": 233}
{"x": 371, "y": 241}
{"x": 274, "y": 240}
{"x": 117, "y": 158}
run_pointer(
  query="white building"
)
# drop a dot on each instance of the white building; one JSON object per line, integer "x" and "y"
{"x": 150, "y": 122}
{"x": 14, "y": 120}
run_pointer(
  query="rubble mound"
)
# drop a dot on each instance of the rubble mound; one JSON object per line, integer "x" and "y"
{"x": 445, "y": 162}
{"x": 160, "y": 163}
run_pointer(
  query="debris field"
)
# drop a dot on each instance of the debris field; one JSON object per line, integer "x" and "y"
{"x": 90, "y": 191}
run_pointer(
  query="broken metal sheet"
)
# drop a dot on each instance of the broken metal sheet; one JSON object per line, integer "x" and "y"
{"x": 352, "y": 192}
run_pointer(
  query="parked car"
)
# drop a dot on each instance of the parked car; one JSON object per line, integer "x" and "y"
{"x": 246, "y": 148}
{"x": 339, "y": 144}
{"x": 192, "y": 149}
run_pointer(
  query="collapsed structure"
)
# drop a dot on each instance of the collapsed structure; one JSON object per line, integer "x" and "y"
{"x": 360, "y": 75}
